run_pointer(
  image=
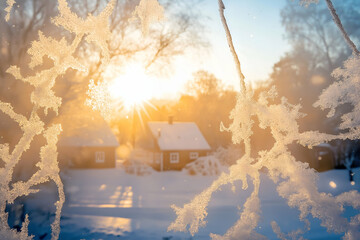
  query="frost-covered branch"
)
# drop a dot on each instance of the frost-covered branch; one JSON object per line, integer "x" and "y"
{"x": 94, "y": 29}
{"x": 231, "y": 45}
{"x": 296, "y": 181}
{"x": 8, "y": 110}
{"x": 341, "y": 27}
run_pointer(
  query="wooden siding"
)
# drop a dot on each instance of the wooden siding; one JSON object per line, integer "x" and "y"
{"x": 85, "y": 157}
{"x": 184, "y": 158}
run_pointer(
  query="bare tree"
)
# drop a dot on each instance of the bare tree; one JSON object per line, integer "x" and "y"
{"x": 317, "y": 49}
{"x": 314, "y": 28}
{"x": 27, "y": 18}
{"x": 181, "y": 31}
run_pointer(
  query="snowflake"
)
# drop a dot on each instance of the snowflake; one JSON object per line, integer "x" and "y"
{"x": 148, "y": 11}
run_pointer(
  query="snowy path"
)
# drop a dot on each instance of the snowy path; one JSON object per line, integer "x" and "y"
{"x": 110, "y": 204}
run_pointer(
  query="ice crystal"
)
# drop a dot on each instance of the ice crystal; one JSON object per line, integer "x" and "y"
{"x": 61, "y": 53}
{"x": 10, "y": 4}
{"x": 99, "y": 99}
{"x": 148, "y": 11}
{"x": 94, "y": 29}
{"x": 296, "y": 182}
{"x": 345, "y": 90}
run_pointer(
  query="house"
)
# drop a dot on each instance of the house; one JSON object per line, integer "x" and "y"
{"x": 86, "y": 141}
{"x": 341, "y": 154}
{"x": 320, "y": 157}
{"x": 325, "y": 157}
{"x": 175, "y": 144}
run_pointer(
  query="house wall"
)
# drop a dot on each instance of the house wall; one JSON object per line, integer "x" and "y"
{"x": 319, "y": 158}
{"x": 324, "y": 159}
{"x": 85, "y": 157}
{"x": 184, "y": 158}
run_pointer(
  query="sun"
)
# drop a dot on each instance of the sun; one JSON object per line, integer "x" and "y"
{"x": 133, "y": 87}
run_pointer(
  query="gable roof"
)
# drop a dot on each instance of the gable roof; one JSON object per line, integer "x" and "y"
{"x": 89, "y": 134}
{"x": 84, "y": 127}
{"x": 178, "y": 136}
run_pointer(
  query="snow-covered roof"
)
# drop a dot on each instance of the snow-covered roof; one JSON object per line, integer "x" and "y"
{"x": 178, "y": 136}
{"x": 85, "y": 128}
{"x": 89, "y": 135}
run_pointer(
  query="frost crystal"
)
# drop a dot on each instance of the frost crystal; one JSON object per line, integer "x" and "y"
{"x": 296, "y": 182}
{"x": 95, "y": 29}
{"x": 345, "y": 90}
{"x": 99, "y": 99}
{"x": 148, "y": 11}
{"x": 10, "y": 4}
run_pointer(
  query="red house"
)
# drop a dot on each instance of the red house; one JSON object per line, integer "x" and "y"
{"x": 175, "y": 144}
{"x": 86, "y": 141}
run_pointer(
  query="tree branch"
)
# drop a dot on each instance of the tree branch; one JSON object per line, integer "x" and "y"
{"x": 231, "y": 45}
{"x": 341, "y": 27}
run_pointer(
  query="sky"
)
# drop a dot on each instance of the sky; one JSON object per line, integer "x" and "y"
{"x": 257, "y": 34}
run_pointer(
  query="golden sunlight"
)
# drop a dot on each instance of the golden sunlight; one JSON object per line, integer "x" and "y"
{"x": 133, "y": 87}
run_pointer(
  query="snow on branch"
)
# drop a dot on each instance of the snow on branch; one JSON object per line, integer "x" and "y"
{"x": 296, "y": 182}
{"x": 341, "y": 27}
{"x": 231, "y": 45}
{"x": 93, "y": 29}
{"x": 345, "y": 90}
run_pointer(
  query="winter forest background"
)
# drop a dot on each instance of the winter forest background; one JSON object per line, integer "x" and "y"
{"x": 84, "y": 59}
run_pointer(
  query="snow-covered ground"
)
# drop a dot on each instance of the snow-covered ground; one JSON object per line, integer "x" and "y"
{"x": 111, "y": 204}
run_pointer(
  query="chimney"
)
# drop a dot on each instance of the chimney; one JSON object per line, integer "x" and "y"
{"x": 171, "y": 120}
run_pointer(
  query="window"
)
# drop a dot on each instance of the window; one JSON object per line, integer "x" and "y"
{"x": 174, "y": 157}
{"x": 194, "y": 155}
{"x": 99, "y": 157}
